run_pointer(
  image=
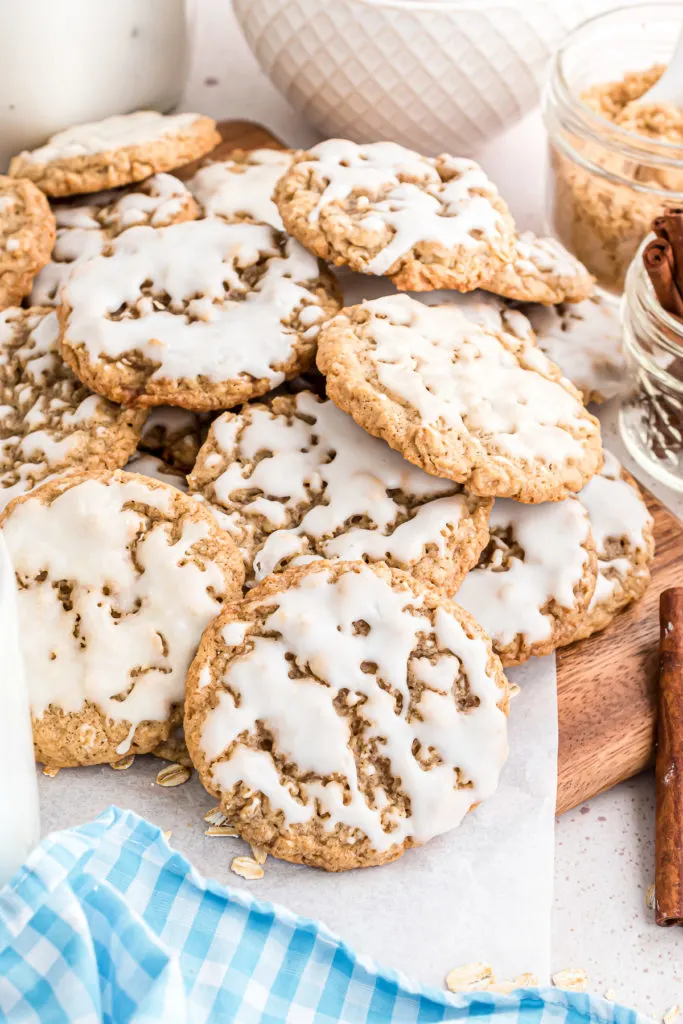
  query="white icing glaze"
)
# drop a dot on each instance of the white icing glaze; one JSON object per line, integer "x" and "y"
{"x": 615, "y": 510}
{"x": 547, "y": 255}
{"x": 315, "y": 622}
{"x": 455, "y": 372}
{"x": 110, "y": 134}
{"x": 406, "y": 193}
{"x": 327, "y": 473}
{"x": 83, "y": 538}
{"x": 48, "y": 416}
{"x": 238, "y": 329}
{"x": 242, "y": 190}
{"x": 509, "y": 601}
{"x": 584, "y": 339}
{"x": 83, "y": 230}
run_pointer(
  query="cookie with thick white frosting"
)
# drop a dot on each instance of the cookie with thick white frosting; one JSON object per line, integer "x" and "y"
{"x": 385, "y": 210}
{"x": 342, "y": 713}
{"x": 585, "y": 340}
{"x": 299, "y": 481}
{"x": 202, "y": 315}
{"x": 241, "y": 188}
{"x": 116, "y": 151}
{"x": 470, "y": 402}
{"x": 541, "y": 270}
{"x": 123, "y": 573}
{"x": 623, "y": 530}
{"x": 85, "y": 229}
{"x": 534, "y": 580}
{"x": 50, "y": 423}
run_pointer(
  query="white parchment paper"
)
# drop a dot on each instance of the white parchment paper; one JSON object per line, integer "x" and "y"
{"x": 484, "y": 891}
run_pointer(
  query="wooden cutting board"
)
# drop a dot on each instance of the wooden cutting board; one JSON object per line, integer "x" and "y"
{"x": 606, "y": 684}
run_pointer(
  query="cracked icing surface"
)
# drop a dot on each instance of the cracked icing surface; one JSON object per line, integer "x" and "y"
{"x": 49, "y": 421}
{"x": 534, "y": 579}
{"x": 623, "y": 530}
{"x": 386, "y": 210}
{"x": 116, "y": 151}
{"x": 300, "y": 481}
{"x": 541, "y": 270}
{"x": 27, "y": 234}
{"x": 342, "y": 713}
{"x": 202, "y": 315}
{"x": 85, "y": 229}
{"x": 461, "y": 399}
{"x": 123, "y": 573}
{"x": 242, "y": 188}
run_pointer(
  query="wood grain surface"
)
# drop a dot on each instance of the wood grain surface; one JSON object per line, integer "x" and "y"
{"x": 606, "y": 684}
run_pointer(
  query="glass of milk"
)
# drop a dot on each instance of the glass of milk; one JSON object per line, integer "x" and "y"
{"x": 63, "y": 62}
{"x": 19, "y": 821}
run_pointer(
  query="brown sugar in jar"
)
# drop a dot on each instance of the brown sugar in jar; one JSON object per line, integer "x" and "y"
{"x": 614, "y": 163}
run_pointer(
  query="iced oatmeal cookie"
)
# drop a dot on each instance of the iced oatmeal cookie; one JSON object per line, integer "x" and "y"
{"x": 50, "y": 423}
{"x": 342, "y": 713}
{"x": 241, "y": 188}
{"x": 535, "y": 578}
{"x": 123, "y": 573}
{"x": 117, "y": 151}
{"x": 300, "y": 481}
{"x": 202, "y": 315}
{"x": 479, "y": 406}
{"x": 584, "y": 339}
{"x": 85, "y": 229}
{"x": 382, "y": 209}
{"x": 541, "y": 270}
{"x": 623, "y": 530}
{"x": 27, "y": 234}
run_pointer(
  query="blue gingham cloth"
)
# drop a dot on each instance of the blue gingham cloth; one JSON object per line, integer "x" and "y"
{"x": 106, "y": 923}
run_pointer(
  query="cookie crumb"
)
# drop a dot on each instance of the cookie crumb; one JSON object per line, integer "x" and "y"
{"x": 514, "y": 689}
{"x": 610, "y": 995}
{"x": 650, "y": 898}
{"x": 50, "y": 772}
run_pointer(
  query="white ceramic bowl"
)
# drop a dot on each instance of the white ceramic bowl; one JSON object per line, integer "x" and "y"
{"x": 432, "y": 74}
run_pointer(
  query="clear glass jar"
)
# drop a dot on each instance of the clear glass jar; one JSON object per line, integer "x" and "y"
{"x": 651, "y": 413}
{"x": 606, "y": 183}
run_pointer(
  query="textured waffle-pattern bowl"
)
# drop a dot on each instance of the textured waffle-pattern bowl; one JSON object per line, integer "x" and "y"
{"x": 432, "y": 75}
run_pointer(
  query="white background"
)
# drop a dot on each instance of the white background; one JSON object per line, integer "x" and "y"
{"x": 604, "y": 850}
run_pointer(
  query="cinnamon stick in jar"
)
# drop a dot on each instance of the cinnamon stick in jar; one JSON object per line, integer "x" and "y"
{"x": 669, "y": 766}
{"x": 658, "y": 259}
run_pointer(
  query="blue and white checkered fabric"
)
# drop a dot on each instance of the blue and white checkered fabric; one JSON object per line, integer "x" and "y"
{"x": 106, "y": 923}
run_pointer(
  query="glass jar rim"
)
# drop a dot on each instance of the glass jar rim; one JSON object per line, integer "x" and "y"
{"x": 587, "y": 123}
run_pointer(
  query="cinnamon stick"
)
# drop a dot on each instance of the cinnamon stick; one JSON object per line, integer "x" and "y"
{"x": 673, "y": 220}
{"x": 658, "y": 259}
{"x": 669, "y": 767}
{"x": 659, "y": 227}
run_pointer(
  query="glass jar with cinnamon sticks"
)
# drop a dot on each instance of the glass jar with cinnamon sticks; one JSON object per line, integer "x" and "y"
{"x": 651, "y": 414}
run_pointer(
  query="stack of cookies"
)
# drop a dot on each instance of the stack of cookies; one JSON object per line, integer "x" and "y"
{"x": 313, "y": 535}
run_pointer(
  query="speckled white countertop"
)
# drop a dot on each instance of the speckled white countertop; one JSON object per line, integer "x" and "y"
{"x": 605, "y": 849}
